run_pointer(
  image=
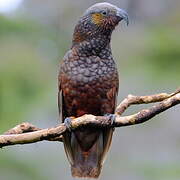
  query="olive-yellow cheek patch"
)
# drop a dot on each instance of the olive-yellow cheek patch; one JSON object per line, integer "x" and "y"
{"x": 97, "y": 18}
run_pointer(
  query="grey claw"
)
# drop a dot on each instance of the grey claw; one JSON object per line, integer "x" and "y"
{"x": 67, "y": 123}
{"x": 111, "y": 117}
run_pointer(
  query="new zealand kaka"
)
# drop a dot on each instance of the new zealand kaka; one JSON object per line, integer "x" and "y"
{"x": 88, "y": 84}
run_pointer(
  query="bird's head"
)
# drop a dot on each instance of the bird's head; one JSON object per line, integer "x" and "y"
{"x": 101, "y": 18}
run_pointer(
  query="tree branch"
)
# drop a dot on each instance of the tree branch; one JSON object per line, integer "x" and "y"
{"x": 131, "y": 100}
{"x": 27, "y": 133}
{"x": 22, "y": 128}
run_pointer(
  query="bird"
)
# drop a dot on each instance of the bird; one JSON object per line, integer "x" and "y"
{"x": 88, "y": 83}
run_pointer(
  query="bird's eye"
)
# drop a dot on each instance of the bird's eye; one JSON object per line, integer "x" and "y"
{"x": 104, "y": 13}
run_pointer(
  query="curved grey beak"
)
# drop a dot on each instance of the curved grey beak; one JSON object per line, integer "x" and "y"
{"x": 123, "y": 15}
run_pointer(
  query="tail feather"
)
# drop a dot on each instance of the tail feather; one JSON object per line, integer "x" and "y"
{"x": 107, "y": 139}
{"x": 88, "y": 164}
{"x": 68, "y": 147}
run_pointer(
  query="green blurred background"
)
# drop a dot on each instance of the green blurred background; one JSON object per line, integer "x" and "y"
{"x": 34, "y": 36}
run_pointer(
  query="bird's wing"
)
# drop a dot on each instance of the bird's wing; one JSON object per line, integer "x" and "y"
{"x": 60, "y": 100}
{"x": 107, "y": 133}
{"x": 63, "y": 115}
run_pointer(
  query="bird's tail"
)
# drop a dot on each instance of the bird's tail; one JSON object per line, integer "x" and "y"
{"x": 88, "y": 164}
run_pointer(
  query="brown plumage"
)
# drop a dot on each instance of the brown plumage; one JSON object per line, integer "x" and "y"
{"x": 88, "y": 84}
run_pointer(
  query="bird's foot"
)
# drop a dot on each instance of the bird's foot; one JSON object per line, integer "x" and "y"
{"x": 112, "y": 117}
{"x": 68, "y": 123}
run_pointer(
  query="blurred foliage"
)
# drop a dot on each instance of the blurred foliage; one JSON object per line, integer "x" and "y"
{"x": 22, "y": 76}
{"x": 24, "y": 80}
{"x": 161, "y": 172}
{"x": 154, "y": 53}
{"x": 163, "y": 51}
{"x": 13, "y": 168}
{"x": 17, "y": 27}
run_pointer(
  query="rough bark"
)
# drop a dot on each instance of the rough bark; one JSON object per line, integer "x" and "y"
{"x": 27, "y": 133}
